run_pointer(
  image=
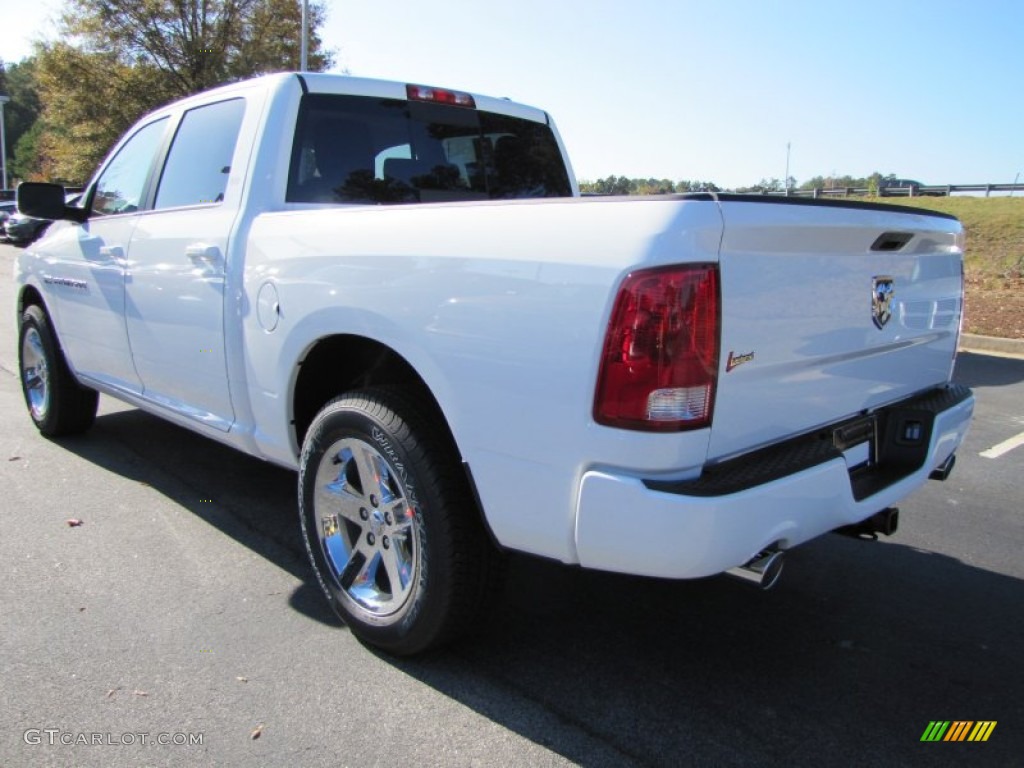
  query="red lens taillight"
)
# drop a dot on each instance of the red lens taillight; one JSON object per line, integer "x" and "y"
{"x": 660, "y": 360}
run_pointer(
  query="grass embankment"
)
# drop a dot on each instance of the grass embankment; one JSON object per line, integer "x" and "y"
{"x": 994, "y": 259}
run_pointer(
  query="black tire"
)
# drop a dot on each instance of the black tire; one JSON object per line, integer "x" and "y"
{"x": 57, "y": 403}
{"x": 390, "y": 525}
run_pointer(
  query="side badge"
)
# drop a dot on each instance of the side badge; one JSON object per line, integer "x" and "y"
{"x": 882, "y": 291}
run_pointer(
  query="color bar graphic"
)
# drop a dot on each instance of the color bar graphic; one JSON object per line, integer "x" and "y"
{"x": 958, "y": 730}
{"x": 935, "y": 730}
{"x": 982, "y": 730}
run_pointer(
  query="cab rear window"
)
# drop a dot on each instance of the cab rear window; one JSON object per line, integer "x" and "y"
{"x": 357, "y": 149}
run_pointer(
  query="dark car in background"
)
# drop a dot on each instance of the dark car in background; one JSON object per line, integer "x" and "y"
{"x": 899, "y": 187}
{"x": 908, "y": 188}
{"x": 7, "y": 209}
{"x": 21, "y": 230}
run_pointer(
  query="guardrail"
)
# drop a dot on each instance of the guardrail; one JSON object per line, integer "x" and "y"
{"x": 921, "y": 190}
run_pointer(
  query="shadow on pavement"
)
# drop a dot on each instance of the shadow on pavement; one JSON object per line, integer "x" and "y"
{"x": 976, "y": 370}
{"x": 254, "y": 502}
{"x": 845, "y": 663}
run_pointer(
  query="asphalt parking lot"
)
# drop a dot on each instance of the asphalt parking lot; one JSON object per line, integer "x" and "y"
{"x": 183, "y": 607}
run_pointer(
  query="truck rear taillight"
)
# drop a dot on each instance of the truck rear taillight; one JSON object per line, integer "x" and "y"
{"x": 660, "y": 361}
{"x": 439, "y": 96}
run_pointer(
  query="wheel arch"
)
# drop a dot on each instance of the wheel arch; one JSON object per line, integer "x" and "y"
{"x": 31, "y": 296}
{"x": 367, "y": 363}
{"x": 28, "y": 296}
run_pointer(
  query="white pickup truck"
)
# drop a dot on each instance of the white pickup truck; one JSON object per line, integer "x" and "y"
{"x": 397, "y": 291}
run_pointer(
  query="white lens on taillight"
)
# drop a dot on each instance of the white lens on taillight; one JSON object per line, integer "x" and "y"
{"x": 679, "y": 404}
{"x": 659, "y": 366}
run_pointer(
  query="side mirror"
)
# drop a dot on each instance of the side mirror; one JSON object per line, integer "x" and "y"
{"x": 45, "y": 201}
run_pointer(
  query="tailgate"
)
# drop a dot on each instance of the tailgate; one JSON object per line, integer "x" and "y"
{"x": 829, "y": 309}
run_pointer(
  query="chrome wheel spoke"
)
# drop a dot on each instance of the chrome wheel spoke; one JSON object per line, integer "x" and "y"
{"x": 403, "y": 555}
{"x": 35, "y": 374}
{"x": 366, "y": 527}
{"x": 338, "y": 551}
{"x": 387, "y": 486}
{"x": 364, "y": 571}
{"x": 401, "y": 514}
{"x": 33, "y": 378}
{"x": 336, "y": 497}
{"x": 368, "y": 470}
{"x": 398, "y": 579}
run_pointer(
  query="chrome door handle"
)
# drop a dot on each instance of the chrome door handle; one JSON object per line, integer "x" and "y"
{"x": 113, "y": 252}
{"x": 203, "y": 252}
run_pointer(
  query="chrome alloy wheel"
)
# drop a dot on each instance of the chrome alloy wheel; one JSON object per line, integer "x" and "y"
{"x": 368, "y": 529}
{"x": 35, "y": 374}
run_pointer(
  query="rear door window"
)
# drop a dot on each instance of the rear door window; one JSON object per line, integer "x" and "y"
{"x": 199, "y": 162}
{"x": 354, "y": 149}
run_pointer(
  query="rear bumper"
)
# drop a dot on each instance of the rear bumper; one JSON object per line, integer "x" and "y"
{"x": 778, "y": 497}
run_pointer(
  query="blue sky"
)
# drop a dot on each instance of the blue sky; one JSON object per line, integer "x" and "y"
{"x": 690, "y": 89}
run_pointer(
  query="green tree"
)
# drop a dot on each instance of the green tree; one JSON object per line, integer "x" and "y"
{"x": 653, "y": 187}
{"x": 21, "y": 113}
{"x": 613, "y": 185}
{"x": 89, "y": 100}
{"x": 764, "y": 185}
{"x": 697, "y": 186}
{"x": 620, "y": 185}
{"x": 126, "y": 57}
{"x": 25, "y": 165}
{"x": 199, "y": 43}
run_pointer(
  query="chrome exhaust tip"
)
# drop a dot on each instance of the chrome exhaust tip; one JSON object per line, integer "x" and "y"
{"x": 763, "y": 570}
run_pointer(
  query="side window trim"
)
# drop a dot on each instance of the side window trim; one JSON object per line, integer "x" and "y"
{"x": 159, "y": 159}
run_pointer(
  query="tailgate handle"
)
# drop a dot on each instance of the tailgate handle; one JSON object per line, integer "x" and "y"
{"x": 892, "y": 241}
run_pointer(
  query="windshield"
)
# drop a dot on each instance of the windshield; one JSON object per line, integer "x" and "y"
{"x": 357, "y": 149}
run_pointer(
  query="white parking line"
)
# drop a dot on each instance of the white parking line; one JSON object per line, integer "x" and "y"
{"x": 1004, "y": 447}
